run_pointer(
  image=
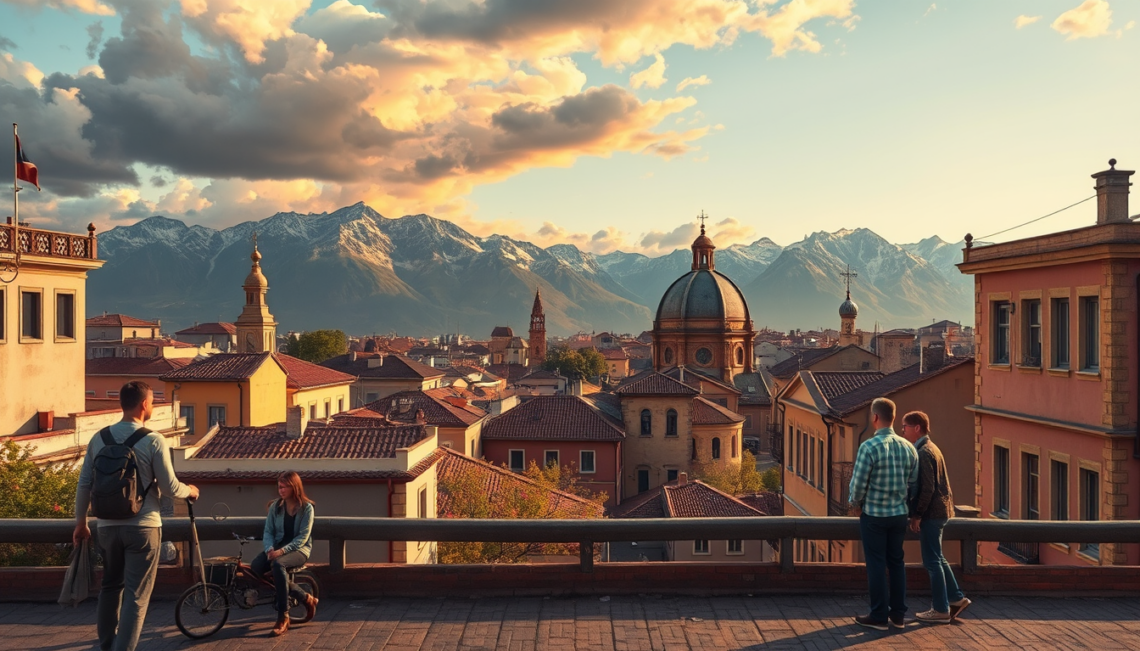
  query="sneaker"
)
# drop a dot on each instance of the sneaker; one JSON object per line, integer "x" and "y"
{"x": 897, "y": 621}
{"x": 933, "y": 617}
{"x": 957, "y": 607}
{"x": 865, "y": 620}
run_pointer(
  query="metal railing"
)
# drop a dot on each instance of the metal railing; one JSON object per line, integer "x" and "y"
{"x": 1026, "y": 553}
{"x": 337, "y": 530}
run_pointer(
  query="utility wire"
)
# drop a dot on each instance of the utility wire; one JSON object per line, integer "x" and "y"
{"x": 1035, "y": 220}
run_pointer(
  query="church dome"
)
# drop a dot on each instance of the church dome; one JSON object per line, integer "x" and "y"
{"x": 255, "y": 277}
{"x": 848, "y": 308}
{"x": 702, "y": 294}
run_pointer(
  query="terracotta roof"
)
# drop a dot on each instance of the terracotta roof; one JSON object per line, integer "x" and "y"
{"x": 654, "y": 383}
{"x": 134, "y": 366}
{"x": 694, "y": 499}
{"x": 706, "y": 412}
{"x": 496, "y": 483}
{"x": 317, "y": 443}
{"x": 837, "y": 383}
{"x": 614, "y": 353}
{"x": 694, "y": 377}
{"x": 306, "y": 375}
{"x": 609, "y": 403}
{"x": 647, "y": 505}
{"x": 542, "y": 374}
{"x": 509, "y": 372}
{"x": 802, "y": 360}
{"x": 219, "y": 328}
{"x": 119, "y": 321}
{"x": 437, "y": 410}
{"x": 396, "y": 367}
{"x": 753, "y": 389}
{"x": 502, "y": 331}
{"x": 555, "y": 418}
{"x": 766, "y": 503}
{"x": 888, "y": 384}
{"x": 315, "y": 475}
{"x": 223, "y": 366}
{"x": 517, "y": 342}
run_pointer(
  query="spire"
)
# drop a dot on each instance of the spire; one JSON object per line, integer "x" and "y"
{"x": 537, "y": 341}
{"x": 537, "y": 309}
{"x": 703, "y": 248}
{"x": 256, "y": 327}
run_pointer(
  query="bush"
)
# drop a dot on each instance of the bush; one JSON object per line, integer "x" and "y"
{"x": 28, "y": 490}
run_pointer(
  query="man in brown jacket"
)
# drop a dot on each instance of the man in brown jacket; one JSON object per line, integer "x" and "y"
{"x": 931, "y": 507}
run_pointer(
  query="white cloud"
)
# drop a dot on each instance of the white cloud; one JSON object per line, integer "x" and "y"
{"x": 1023, "y": 20}
{"x": 84, "y": 6}
{"x": 1090, "y": 20}
{"x": 651, "y": 77}
{"x": 703, "y": 80}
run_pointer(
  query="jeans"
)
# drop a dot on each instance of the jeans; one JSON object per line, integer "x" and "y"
{"x": 285, "y": 587}
{"x": 883, "y": 551}
{"x": 130, "y": 562}
{"x": 943, "y": 587}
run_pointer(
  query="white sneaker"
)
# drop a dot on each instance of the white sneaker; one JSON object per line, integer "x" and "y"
{"x": 933, "y": 617}
{"x": 957, "y": 607}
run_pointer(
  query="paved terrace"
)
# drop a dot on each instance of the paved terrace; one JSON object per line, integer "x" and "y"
{"x": 620, "y": 622}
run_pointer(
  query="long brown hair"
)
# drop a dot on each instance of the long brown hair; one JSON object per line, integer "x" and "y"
{"x": 294, "y": 480}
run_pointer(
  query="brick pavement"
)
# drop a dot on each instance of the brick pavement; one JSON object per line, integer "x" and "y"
{"x": 619, "y": 623}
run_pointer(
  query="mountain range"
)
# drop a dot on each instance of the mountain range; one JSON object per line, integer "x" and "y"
{"x": 359, "y": 271}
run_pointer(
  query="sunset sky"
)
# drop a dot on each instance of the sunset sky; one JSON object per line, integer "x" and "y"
{"x": 605, "y": 123}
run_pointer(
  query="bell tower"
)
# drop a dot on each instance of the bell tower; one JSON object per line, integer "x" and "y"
{"x": 256, "y": 328}
{"x": 703, "y": 248}
{"x": 537, "y": 341}
{"x": 848, "y": 310}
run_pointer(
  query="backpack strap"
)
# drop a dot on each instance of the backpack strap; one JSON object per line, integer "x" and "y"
{"x": 105, "y": 434}
{"x": 138, "y": 435}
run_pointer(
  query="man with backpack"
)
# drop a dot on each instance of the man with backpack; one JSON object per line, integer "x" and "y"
{"x": 126, "y": 471}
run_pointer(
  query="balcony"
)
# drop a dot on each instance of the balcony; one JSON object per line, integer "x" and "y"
{"x": 1026, "y": 553}
{"x": 50, "y": 244}
{"x": 776, "y": 443}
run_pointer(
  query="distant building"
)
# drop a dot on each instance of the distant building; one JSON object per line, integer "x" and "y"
{"x": 380, "y": 375}
{"x": 256, "y": 329}
{"x": 537, "y": 343}
{"x": 617, "y": 363}
{"x": 459, "y": 422}
{"x": 222, "y": 336}
{"x": 105, "y": 334}
{"x": 105, "y": 376}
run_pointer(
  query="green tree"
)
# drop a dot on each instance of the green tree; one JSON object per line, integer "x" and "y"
{"x": 575, "y": 364}
{"x": 593, "y": 363}
{"x": 736, "y": 481}
{"x": 293, "y": 346}
{"x": 28, "y": 490}
{"x": 318, "y": 345}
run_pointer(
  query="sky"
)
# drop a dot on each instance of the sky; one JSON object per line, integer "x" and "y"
{"x": 609, "y": 125}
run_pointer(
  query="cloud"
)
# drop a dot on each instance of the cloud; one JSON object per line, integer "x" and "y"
{"x": 651, "y": 77}
{"x": 1090, "y": 20}
{"x": 247, "y": 24}
{"x": 703, "y": 80}
{"x": 665, "y": 241}
{"x": 731, "y": 230}
{"x": 931, "y": 9}
{"x": 1023, "y": 20}
{"x": 7, "y": 44}
{"x": 785, "y": 26}
{"x": 95, "y": 31}
{"x": 84, "y": 6}
{"x": 19, "y": 73}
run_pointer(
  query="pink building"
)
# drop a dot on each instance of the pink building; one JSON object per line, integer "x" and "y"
{"x": 1055, "y": 411}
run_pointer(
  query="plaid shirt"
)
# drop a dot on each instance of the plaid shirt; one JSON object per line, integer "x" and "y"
{"x": 885, "y": 473}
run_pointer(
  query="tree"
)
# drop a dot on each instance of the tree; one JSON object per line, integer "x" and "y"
{"x": 28, "y": 490}
{"x": 293, "y": 345}
{"x": 318, "y": 345}
{"x": 575, "y": 364}
{"x": 466, "y": 496}
{"x": 735, "y": 481}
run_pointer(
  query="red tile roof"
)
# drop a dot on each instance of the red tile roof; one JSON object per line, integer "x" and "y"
{"x": 706, "y": 412}
{"x": 317, "y": 442}
{"x": 427, "y": 462}
{"x": 837, "y": 383}
{"x": 502, "y": 331}
{"x": 496, "y": 483}
{"x": 156, "y": 342}
{"x": 888, "y": 384}
{"x": 695, "y": 499}
{"x": 767, "y": 503}
{"x": 694, "y": 378}
{"x": 395, "y": 367}
{"x": 223, "y": 366}
{"x": 219, "y": 328}
{"x": 614, "y": 353}
{"x": 509, "y": 372}
{"x": 306, "y": 375}
{"x": 437, "y": 410}
{"x": 134, "y": 366}
{"x": 555, "y": 418}
{"x": 654, "y": 383}
{"x": 119, "y": 321}
{"x": 754, "y": 389}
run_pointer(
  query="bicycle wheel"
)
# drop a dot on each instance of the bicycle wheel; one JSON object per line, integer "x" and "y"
{"x": 306, "y": 582}
{"x": 202, "y": 610}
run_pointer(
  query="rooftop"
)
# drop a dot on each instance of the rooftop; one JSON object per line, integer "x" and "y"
{"x": 374, "y": 365}
{"x": 654, "y": 383}
{"x": 119, "y": 321}
{"x": 134, "y": 366}
{"x": 888, "y": 384}
{"x": 442, "y": 407}
{"x": 555, "y": 418}
{"x": 706, "y": 412}
{"x": 306, "y": 375}
{"x": 494, "y": 480}
{"x": 694, "y": 499}
{"x": 318, "y": 442}
{"x": 223, "y": 366}
{"x": 219, "y": 328}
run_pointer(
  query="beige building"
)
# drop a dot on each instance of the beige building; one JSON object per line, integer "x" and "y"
{"x": 379, "y": 375}
{"x": 449, "y": 410}
{"x": 256, "y": 329}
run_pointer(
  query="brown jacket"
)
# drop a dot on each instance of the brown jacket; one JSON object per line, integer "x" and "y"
{"x": 934, "y": 499}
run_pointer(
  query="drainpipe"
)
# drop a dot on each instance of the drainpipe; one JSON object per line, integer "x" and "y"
{"x": 241, "y": 404}
{"x": 1136, "y": 441}
{"x": 389, "y": 515}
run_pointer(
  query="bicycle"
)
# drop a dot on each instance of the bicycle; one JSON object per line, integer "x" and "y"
{"x": 204, "y": 608}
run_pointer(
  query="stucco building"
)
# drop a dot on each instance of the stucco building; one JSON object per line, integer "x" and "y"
{"x": 379, "y": 375}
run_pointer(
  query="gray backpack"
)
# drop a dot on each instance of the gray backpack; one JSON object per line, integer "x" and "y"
{"x": 116, "y": 493}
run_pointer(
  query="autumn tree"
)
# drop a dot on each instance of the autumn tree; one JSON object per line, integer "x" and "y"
{"x": 740, "y": 481}
{"x": 28, "y": 490}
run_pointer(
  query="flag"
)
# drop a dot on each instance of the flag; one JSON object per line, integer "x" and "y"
{"x": 25, "y": 169}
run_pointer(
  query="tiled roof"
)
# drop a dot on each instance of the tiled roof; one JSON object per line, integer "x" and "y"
{"x": 223, "y": 366}
{"x": 654, "y": 383}
{"x": 396, "y": 367}
{"x": 509, "y": 372}
{"x": 706, "y": 412}
{"x": 317, "y": 443}
{"x": 766, "y": 503}
{"x": 306, "y": 375}
{"x": 502, "y": 331}
{"x": 555, "y": 418}
{"x": 134, "y": 366}
{"x": 837, "y": 383}
{"x": 888, "y": 384}
{"x": 802, "y": 360}
{"x": 694, "y": 378}
{"x": 495, "y": 483}
{"x": 542, "y": 374}
{"x": 753, "y": 389}
{"x": 609, "y": 403}
{"x": 119, "y": 321}
{"x": 437, "y": 410}
{"x": 517, "y": 342}
{"x": 156, "y": 342}
{"x": 647, "y": 505}
{"x": 192, "y": 475}
{"x": 614, "y": 353}
{"x": 697, "y": 499}
{"x": 219, "y": 328}
{"x": 898, "y": 332}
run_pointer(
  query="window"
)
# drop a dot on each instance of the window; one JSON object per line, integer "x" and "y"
{"x": 1090, "y": 333}
{"x": 646, "y": 423}
{"x": 1000, "y": 350}
{"x": 1059, "y": 489}
{"x": 693, "y": 449}
{"x": 3, "y": 315}
{"x": 739, "y": 356}
{"x": 112, "y": 394}
{"x": 671, "y": 422}
{"x": 669, "y": 356}
{"x": 371, "y": 397}
{"x": 312, "y": 411}
{"x": 89, "y": 394}
{"x": 671, "y": 474}
{"x": 187, "y": 412}
{"x": 1001, "y": 481}
{"x": 822, "y": 472}
{"x": 1060, "y": 343}
{"x": 328, "y": 407}
{"x": 1031, "y": 337}
{"x": 586, "y": 461}
{"x": 550, "y": 458}
{"x": 217, "y": 416}
{"x": 339, "y": 405}
{"x": 65, "y": 316}
{"x": 748, "y": 422}
{"x": 1030, "y": 486}
{"x": 716, "y": 447}
{"x": 732, "y": 448}
{"x": 31, "y": 315}
{"x": 791, "y": 448}
{"x": 518, "y": 463}
{"x": 735, "y": 547}
{"x": 700, "y": 547}
{"x": 811, "y": 460}
{"x": 1090, "y": 506}
{"x": 642, "y": 480}
{"x": 423, "y": 512}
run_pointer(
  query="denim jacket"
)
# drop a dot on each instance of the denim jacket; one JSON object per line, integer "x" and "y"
{"x": 302, "y": 529}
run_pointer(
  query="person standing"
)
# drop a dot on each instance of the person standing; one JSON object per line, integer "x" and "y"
{"x": 930, "y": 510}
{"x": 125, "y": 473}
{"x": 886, "y": 469}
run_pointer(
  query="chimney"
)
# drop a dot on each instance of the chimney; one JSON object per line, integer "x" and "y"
{"x": 1112, "y": 194}
{"x": 933, "y": 358}
{"x": 376, "y": 362}
{"x": 352, "y": 355}
{"x": 295, "y": 422}
{"x": 420, "y": 419}
{"x": 682, "y": 479}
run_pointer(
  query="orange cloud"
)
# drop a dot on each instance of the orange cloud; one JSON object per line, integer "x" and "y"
{"x": 1023, "y": 20}
{"x": 1089, "y": 20}
{"x": 703, "y": 80}
{"x": 86, "y": 6}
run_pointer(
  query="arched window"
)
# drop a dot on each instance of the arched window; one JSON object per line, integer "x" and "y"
{"x": 671, "y": 422}
{"x": 739, "y": 356}
{"x": 668, "y": 355}
{"x": 716, "y": 448}
{"x": 693, "y": 449}
{"x": 732, "y": 452}
{"x": 646, "y": 423}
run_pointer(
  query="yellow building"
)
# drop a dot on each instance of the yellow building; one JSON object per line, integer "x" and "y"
{"x": 43, "y": 291}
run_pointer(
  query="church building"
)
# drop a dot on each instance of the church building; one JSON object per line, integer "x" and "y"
{"x": 256, "y": 327}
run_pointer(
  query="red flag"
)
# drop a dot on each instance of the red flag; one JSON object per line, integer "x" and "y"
{"x": 25, "y": 169}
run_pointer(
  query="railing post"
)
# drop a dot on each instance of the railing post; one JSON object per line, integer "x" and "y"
{"x": 787, "y": 555}
{"x": 336, "y": 554}
{"x": 969, "y": 556}
{"x": 586, "y": 555}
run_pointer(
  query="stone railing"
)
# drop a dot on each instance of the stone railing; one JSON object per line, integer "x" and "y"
{"x": 33, "y": 241}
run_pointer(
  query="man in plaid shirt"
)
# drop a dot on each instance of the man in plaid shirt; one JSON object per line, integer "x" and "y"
{"x": 885, "y": 473}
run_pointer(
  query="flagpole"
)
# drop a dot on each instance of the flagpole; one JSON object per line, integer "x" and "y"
{"x": 15, "y": 194}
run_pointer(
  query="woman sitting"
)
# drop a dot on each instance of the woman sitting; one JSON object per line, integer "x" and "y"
{"x": 288, "y": 543}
